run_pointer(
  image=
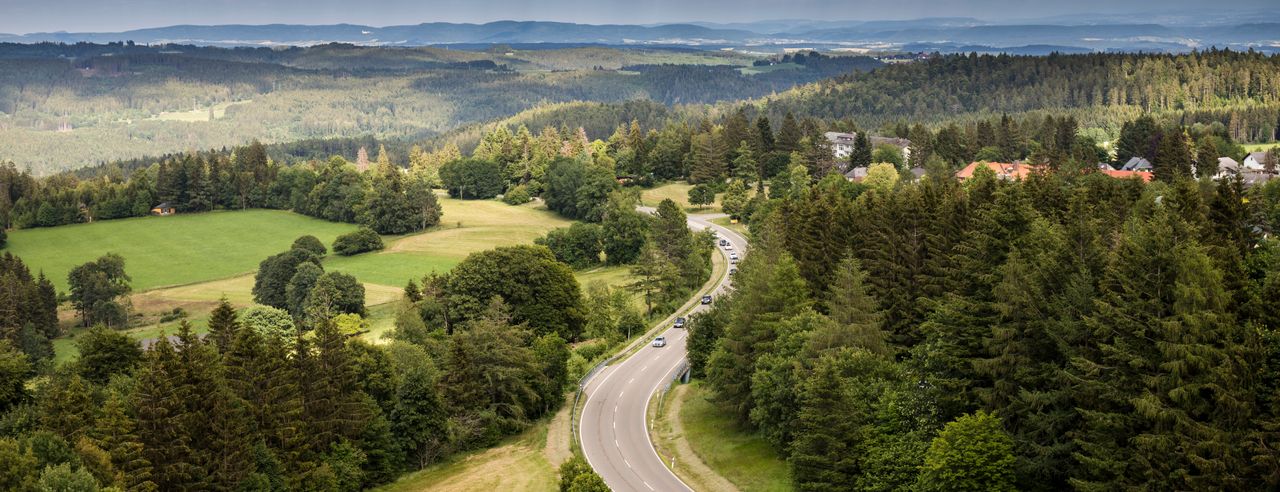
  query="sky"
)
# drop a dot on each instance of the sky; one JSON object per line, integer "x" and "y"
{"x": 25, "y": 16}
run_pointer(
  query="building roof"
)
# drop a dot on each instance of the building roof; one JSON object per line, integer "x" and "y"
{"x": 1144, "y": 175}
{"x": 1135, "y": 164}
{"x": 163, "y": 205}
{"x": 918, "y": 172}
{"x": 856, "y": 174}
{"x": 1227, "y": 163}
{"x": 1003, "y": 170}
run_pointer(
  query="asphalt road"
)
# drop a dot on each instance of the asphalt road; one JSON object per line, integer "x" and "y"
{"x": 613, "y": 429}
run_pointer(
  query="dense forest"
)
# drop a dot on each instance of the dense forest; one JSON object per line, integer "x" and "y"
{"x": 67, "y": 106}
{"x": 1239, "y": 89}
{"x": 1065, "y": 331}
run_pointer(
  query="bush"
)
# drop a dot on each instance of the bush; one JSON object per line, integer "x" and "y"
{"x": 310, "y": 243}
{"x": 590, "y": 351}
{"x": 517, "y": 195}
{"x": 361, "y": 241}
{"x": 4, "y": 237}
{"x": 176, "y": 314}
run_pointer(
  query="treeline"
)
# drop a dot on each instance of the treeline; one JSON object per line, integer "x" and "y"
{"x": 1065, "y": 331}
{"x": 1238, "y": 89}
{"x": 267, "y": 401}
{"x": 385, "y": 198}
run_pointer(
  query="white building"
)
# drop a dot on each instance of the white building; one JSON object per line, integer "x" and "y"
{"x": 842, "y": 144}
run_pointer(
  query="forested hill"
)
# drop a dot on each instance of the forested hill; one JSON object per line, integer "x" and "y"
{"x": 1240, "y": 89}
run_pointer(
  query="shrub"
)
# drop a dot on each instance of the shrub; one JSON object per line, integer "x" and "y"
{"x": 310, "y": 243}
{"x": 361, "y": 241}
{"x": 590, "y": 351}
{"x": 517, "y": 195}
{"x": 176, "y": 314}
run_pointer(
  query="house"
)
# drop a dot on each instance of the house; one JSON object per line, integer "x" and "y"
{"x": 842, "y": 144}
{"x": 856, "y": 174}
{"x": 1137, "y": 164}
{"x": 918, "y": 172}
{"x": 1251, "y": 177}
{"x": 163, "y": 209}
{"x": 1256, "y": 161}
{"x": 1226, "y": 167}
{"x": 1003, "y": 170}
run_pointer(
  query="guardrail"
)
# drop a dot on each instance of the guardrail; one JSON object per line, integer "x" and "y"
{"x": 710, "y": 287}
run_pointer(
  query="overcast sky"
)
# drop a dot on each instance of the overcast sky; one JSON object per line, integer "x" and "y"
{"x": 24, "y": 16}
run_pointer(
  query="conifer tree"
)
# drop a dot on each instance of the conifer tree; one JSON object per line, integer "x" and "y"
{"x": 789, "y": 135}
{"x": 162, "y": 416}
{"x": 1160, "y": 407}
{"x": 772, "y": 290}
{"x": 114, "y": 432}
{"x": 223, "y": 325}
{"x": 860, "y": 156}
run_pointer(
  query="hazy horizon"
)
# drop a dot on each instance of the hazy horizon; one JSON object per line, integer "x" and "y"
{"x": 25, "y": 16}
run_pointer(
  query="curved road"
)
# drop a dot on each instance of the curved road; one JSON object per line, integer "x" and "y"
{"x": 614, "y": 434}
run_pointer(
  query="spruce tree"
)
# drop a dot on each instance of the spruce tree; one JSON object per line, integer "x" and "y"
{"x": 223, "y": 325}
{"x": 162, "y": 416}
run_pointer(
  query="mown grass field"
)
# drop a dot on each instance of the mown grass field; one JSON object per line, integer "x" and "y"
{"x": 678, "y": 192}
{"x": 1260, "y": 147}
{"x": 174, "y": 250}
{"x": 734, "y": 452}
{"x": 192, "y": 261}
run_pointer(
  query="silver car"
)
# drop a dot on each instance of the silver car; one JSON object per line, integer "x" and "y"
{"x": 660, "y": 342}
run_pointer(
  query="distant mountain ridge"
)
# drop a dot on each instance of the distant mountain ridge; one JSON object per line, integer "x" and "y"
{"x": 1110, "y": 33}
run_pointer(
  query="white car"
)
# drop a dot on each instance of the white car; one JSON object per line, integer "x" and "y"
{"x": 728, "y": 246}
{"x": 733, "y": 256}
{"x": 660, "y": 342}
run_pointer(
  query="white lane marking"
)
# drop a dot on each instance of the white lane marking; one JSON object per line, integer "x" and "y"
{"x": 642, "y": 369}
{"x": 624, "y": 460}
{"x": 620, "y": 393}
{"x": 631, "y": 381}
{"x": 646, "y": 484}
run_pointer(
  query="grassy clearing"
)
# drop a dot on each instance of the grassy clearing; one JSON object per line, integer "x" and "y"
{"x": 174, "y": 250}
{"x": 199, "y": 114}
{"x": 678, "y": 192}
{"x": 734, "y": 452}
{"x": 753, "y": 70}
{"x": 615, "y": 277}
{"x": 1260, "y": 147}
{"x": 727, "y": 223}
{"x": 466, "y": 227}
{"x": 204, "y": 257}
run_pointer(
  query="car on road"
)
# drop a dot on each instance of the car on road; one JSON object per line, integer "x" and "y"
{"x": 679, "y": 323}
{"x": 660, "y": 342}
{"x": 724, "y": 242}
{"x": 706, "y": 299}
{"x": 733, "y": 256}
{"x": 728, "y": 246}
{"x": 733, "y": 271}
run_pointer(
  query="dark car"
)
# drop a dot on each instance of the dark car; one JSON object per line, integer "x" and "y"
{"x": 733, "y": 271}
{"x": 679, "y": 323}
{"x": 724, "y": 242}
{"x": 706, "y": 299}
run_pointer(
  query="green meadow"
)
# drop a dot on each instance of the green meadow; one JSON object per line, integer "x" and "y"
{"x": 174, "y": 250}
